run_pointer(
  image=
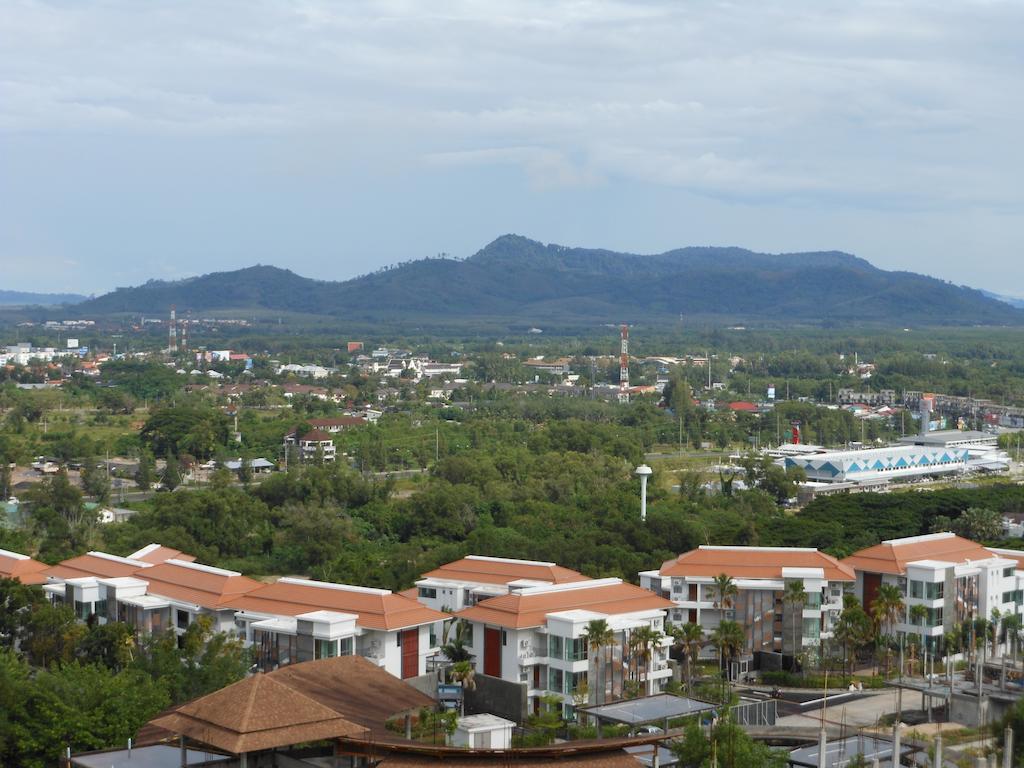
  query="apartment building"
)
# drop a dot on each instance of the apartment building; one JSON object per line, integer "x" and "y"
{"x": 286, "y": 619}
{"x": 537, "y": 636}
{"x": 466, "y": 582}
{"x": 760, "y": 575}
{"x": 955, "y": 579}
{"x": 312, "y": 445}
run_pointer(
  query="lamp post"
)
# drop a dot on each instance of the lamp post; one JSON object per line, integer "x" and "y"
{"x": 644, "y": 472}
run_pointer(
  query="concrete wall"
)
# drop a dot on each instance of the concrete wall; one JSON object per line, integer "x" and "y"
{"x": 497, "y": 697}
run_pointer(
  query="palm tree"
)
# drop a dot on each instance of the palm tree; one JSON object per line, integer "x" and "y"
{"x": 689, "y": 639}
{"x": 917, "y": 614}
{"x": 726, "y": 591}
{"x": 598, "y": 635}
{"x": 1012, "y": 626}
{"x": 997, "y": 616}
{"x": 463, "y": 674}
{"x": 454, "y": 641}
{"x": 795, "y": 597}
{"x": 886, "y": 610}
{"x": 728, "y": 638}
{"x": 645, "y": 639}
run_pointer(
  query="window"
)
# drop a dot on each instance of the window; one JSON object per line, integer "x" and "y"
{"x": 427, "y": 592}
{"x": 100, "y": 608}
{"x": 812, "y": 629}
{"x": 325, "y": 649}
{"x": 576, "y": 650}
{"x": 183, "y": 619}
{"x": 934, "y": 590}
{"x": 504, "y": 637}
{"x": 1008, "y": 572}
{"x": 348, "y": 646}
{"x": 813, "y": 601}
{"x": 556, "y": 680}
{"x": 82, "y": 610}
{"x": 934, "y": 617}
{"x": 574, "y": 681}
{"x": 555, "y": 646}
{"x": 917, "y": 589}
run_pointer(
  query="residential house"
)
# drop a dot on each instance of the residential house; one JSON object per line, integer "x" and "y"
{"x": 760, "y": 575}
{"x": 537, "y": 636}
{"x": 21, "y": 567}
{"x": 311, "y": 445}
{"x": 337, "y": 424}
{"x": 392, "y": 630}
{"x": 955, "y": 579}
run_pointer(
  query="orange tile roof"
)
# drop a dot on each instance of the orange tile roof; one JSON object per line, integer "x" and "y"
{"x": 376, "y": 608}
{"x": 529, "y": 607}
{"x": 753, "y": 563}
{"x": 1010, "y": 554}
{"x": 893, "y": 555}
{"x": 94, "y": 564}
{"x": 493, "y": 570}
{"x": 158, "y": 553}
{"x": 199, "y": 584}
{"x": 21, "y": 567}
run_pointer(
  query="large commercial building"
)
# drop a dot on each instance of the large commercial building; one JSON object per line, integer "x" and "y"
{"x": 955, "y": 579}
{"x": 760, "y": 575}
{"x": 872, "y": 464}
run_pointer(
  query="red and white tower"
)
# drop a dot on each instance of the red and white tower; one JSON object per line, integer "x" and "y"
{"x": 624, "y": 365}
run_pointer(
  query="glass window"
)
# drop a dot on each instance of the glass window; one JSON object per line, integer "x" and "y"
{"x": 812, "y": 629}
{"x": 348, "y": 646}
{"x": 555, "y": 680}
{"x": 813, "y": 600}
{"x": 428, "y": 592}
{"x": 82, "y": 610}
{"x": 182, "y": 619}
{"x": 917, "y": 589}
{"x": 555, "y": 646}
{"x": 934, "y": 590}
{"x": 576, "y": 650}
{"x": 100, "y": 608}
{"x": 1008, "y": 572}
{"x": 325, "y": 649}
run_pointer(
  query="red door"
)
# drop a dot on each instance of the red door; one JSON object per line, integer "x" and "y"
{"x": 492, "y": 652}
{"x": 872, "y": 581}
{"x": 410, "y": 653}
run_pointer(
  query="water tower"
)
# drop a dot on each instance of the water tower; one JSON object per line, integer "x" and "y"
{"x": 644, "y": 472}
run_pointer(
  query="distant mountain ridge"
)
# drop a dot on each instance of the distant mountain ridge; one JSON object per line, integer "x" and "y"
{"x": 522, "y": 280}
{"x": 23, "y": 298}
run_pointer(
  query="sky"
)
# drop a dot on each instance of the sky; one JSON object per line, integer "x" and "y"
{"x": 145, "y": 140}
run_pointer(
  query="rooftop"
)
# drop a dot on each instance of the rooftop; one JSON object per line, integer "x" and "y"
{"x": 893, "y": 555}
{"x": 754, "y": 563}
{"x": 157, "y": 553}
{"x": 197, "y": 584}
{"x": 376, "y": 608}
{"x": 530, "y": 607}
{"x": 500, "y": 570}
{"x": 21, "y": 567}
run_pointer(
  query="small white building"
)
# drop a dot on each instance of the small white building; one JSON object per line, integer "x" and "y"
{"x": 483, "y": 732}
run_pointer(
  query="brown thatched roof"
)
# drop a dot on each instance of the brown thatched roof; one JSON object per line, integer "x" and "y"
{"x": 254, "y": 714}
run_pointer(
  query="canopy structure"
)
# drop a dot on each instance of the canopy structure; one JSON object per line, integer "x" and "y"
{"x": 657, "y": 709}
{"x": 256, "y": 714}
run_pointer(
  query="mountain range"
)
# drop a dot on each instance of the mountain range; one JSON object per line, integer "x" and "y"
{"x": 23, "y": 298}
{"x": 519, "y": 280}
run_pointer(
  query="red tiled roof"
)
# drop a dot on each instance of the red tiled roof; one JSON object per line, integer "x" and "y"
{"x": 94, "y": 564}
{"x": 529, "y": 607}
{"x": 892, "y": 556}
{"x": 20, "y": 567}
{"x": 157, "y": 553}
{"x": 199, "y": 584}
{"x": 753, "y": 563}
{"x": 377, "y": 609}
{"x": 488, "y": 570}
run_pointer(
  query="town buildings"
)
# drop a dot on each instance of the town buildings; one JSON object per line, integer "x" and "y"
{"x": 760, "y": 575}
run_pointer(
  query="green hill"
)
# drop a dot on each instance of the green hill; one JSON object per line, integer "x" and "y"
{"x": 521, "y": 280}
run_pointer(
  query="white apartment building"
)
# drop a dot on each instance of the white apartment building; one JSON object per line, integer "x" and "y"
{"x": 391, "y": 630}
{"x": 954, "y": 578}
{"x": 466, "y": 582}
{"x": 760, "y": 575}
{"x": 537, "y": 636}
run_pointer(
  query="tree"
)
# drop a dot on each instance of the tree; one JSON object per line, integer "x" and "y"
{"x": 16, "y": 602}
{"x": 979, "y": 524}
{"x": 598, "y": 635}
{"x": 854, "y": 629}
{"x": 454, "y": 641}
{"x": 645, "y": 639}
{"x": 690, "y": 639}
{"x": 51, "y": 634}
{"x": 172, "y": 473}
{"x": 728, "y": 637}
{"x": 111, "y": 645}
{"x": 795, "y": 597}
{"x": 887, "y": 610}
{"x": 463, "y": 674}
{"x": 146, "y": 470}
{"x": 96, "y": 480}
{"x": 726, "y": 591}
{"x": 729, "y": 746}
{"x": 245, "y": 472}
